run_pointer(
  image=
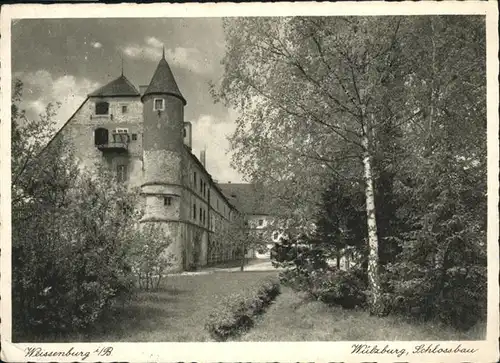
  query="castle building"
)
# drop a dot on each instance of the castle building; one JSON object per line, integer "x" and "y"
{"x": 141, "y": 135}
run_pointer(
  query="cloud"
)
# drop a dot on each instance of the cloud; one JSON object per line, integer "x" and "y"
{"x": 96, "y": 45}
{"x": 213, "y": 135}
{"x": 154, "y": 42}
{"x": 40, "y": 88}
{"x": 187, "y": 58}
{"x": 138, "y": 52}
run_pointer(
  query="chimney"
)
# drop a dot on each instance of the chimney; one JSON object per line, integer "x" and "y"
{"x": 203, "y": 157}
{"x": 229, "y": 182}
{"x": 143, "y": 89}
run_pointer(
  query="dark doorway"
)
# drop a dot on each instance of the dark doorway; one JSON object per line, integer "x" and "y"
{"x": 100, "y": 136}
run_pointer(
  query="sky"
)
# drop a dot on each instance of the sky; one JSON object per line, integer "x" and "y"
{"x": 66, "y": 59}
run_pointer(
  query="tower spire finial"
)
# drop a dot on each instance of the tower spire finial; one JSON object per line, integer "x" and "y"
{"x": 163, "y": 53}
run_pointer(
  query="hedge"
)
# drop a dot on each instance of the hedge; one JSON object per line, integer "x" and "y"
{"x": 236, "y": 313}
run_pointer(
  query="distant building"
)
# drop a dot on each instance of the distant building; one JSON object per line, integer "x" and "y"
{"x": 252, "y": 201}
{"x": 142, "y": 136}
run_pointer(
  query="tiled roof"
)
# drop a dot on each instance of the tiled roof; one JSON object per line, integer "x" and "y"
{"x": 247, "y": 198}
{"x": 119, "y": 87}
{"x": 163, "y": 81}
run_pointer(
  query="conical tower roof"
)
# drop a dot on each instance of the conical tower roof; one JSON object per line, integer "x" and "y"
{"x": 118, "y": 87}
{"x": 163, "y": 81}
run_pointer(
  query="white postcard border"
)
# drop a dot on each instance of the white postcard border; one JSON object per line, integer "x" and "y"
{"x": 258, "y": 351}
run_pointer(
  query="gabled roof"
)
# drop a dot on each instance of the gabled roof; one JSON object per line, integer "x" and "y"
{"x": 163, "y": 82}
{"x": 248, "y": 198}
{"x": 119, "y": 87}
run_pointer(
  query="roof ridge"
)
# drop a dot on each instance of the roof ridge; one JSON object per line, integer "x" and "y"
{"x": 120, "y": 86}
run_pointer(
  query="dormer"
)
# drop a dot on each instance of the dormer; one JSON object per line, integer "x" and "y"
{"x": 102, "y": 97}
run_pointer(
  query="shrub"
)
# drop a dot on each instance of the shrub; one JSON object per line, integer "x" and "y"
{"x": 70, "y": 234}
{"x": 236, "y": 312}
{"x": 149, "y": 257}
{"x": 331, "y": 286}
{"x": 455, "y": 296}
{"x": 339, "y": 287}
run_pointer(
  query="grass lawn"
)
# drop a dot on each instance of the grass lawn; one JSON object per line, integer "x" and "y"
{"x": 177, "y": 312}
{"x": 291, "y": 318}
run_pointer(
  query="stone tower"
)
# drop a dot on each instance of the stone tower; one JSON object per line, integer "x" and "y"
{"x": 163, "y": 114}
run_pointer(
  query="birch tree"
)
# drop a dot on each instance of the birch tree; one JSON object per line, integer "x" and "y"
{"x": 312, "y": 94}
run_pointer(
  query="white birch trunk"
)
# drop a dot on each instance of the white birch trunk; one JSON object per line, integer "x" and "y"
{"x": 376, "y": 303}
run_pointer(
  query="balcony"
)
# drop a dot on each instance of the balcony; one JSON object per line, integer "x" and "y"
{"x": 117, "y": 143}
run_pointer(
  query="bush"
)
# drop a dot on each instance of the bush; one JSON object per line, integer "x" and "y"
{"x": 338, "y": 287}
{"x": 235, "y": 313}
{"x": 69, "y": 251}
{"x": 331, "y": 286}
{"x": 457, "y": 296}
{"x": 148, "y": 255}
{"x": 300, "y": 253}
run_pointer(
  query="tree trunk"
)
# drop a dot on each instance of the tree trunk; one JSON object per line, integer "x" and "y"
{"x": 242, "y": 261}
{"x": 376, "y": 303}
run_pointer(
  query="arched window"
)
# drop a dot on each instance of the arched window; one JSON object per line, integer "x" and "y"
{"x": 100, "y": 136}
{"x": 101, "y": 108}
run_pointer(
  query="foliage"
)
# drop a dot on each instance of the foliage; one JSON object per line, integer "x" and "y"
{"x": 236, "y": 312}
{"x": 70, "y": 232}
{"x": 441, "y": 187}
{"x": 393, "y": 108}
{"x": 339, "y": 287}
{"x": 331, "y": 286}
{"x": 149, "y": 257}
{"x": 307, "y": 270}
{"x": 238, "y": 235}
{"x": 313, "y": 94}
{"x": 298, "y": 254}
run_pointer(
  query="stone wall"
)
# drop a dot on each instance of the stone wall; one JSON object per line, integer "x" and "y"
{"x": 79, "y": 131}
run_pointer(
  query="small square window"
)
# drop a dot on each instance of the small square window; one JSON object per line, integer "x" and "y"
{"x": 124, "y": 109}
{"x": 261, "y": 222}
{"x": 134, "y": 137}
{"x": 167, "y": 200}
{"x": 101, "y": 108}
{"x": 159, "y": 104}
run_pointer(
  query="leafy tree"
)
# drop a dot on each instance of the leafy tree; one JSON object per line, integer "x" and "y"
{"x": 240, "y": 237}
{"x": 442, "y": 184}
{"x": 374, "y": 101}
{"x": 312, "y": 94}
{"x": 341, "y": 220}
{"x": 149, "y": 257}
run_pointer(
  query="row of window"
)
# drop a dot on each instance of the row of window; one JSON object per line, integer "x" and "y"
{"x": 202, "y": 215}
{"x": 102, "y": 108}
{"x": 204, "y": 190}
{"x": 202, "y": 186}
